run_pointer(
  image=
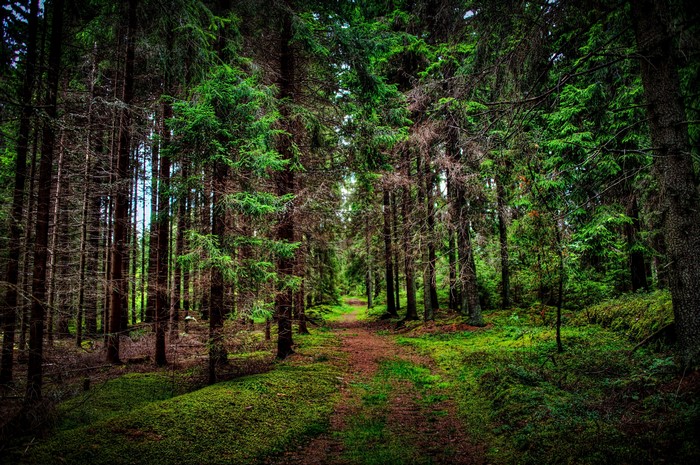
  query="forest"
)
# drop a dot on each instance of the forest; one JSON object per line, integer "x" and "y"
{"x": 350, "y": 231}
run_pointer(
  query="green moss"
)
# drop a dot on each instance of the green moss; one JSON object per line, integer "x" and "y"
{"x": 115, "y": 397}
{"x": 591, "y": 404}
{"x": 232, "y": 422}
{"x": 635, "y": 315}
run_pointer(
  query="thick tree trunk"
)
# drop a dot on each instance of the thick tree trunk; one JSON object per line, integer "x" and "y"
{"x": 36, "y": 324}
{"x": 452, "y": 263}
{"x": 673, "y": 167}
{"x": 121, "y": 199}
{"x": 178, "y": 290}
{"x": 217, "y": 352}
{"x": 467, "y": 271}
{"x": 285, "y": 185}
{"x": 25, "y": 305}
{"x": 9, "y": 312}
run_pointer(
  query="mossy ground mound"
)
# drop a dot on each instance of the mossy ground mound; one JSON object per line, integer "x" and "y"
{"x": 143, "y": 419}
{"x": 594, "y": 403}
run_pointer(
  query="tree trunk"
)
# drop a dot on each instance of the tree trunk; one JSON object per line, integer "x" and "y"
{"x": 637, "y": 264}
{"x": 285, "y": 185}
{"x": 150, "y": 316}
{"x": 395, "y": 237}
{"x": 673, "y": 168}
{"x": 452, "y": 263}
{"x": 36, "y": 324}
{"x": 121, "y": 200}
{"x": 432, "y": 258}
{"x": 411, "y": 310}
{"x": 467, "y": 271}
{"x": 25, "y": 306}
{"x": 9, "y": 312}
{"x": 163, "y": 222}
{"x": 217, "y": 351}
{"x": 178, "y": 289}
{"x": 388, "y": 255}
{"x": 53, "y": 250}
{"x": 503, "y": 239}
{"x": 84, "y": 216}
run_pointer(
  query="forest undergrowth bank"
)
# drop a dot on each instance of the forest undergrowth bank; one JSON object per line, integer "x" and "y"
{"x": 497, "y": 394}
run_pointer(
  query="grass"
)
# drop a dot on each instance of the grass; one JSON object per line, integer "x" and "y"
{"x": 591, "y": 404}
{"x": 140, "y": 419}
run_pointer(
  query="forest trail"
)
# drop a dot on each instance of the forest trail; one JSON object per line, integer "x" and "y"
{"x": 393, "y": 410}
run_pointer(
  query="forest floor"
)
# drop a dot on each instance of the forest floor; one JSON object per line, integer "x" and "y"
{"x": 386, "y": 414}
{"x": 364, "y": 390}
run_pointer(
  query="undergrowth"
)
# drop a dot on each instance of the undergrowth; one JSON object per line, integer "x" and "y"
{"x": 140, "y": 419}
{"x": 597, "y": 402}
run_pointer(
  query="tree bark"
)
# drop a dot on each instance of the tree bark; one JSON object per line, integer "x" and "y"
{"x": 411, "y": 310}
{"x": 503, "y": 240}
{"x": 121, "y": 200}
{"x": 467, "y": 271}
{"x": 673, "y": 168}
{"x": 388, "y": 255}
{"x": 9, "y": 312}
{"x": 163, "y": 222}
{"x": 38, "y": 311}
{"x": 285, "y": 185}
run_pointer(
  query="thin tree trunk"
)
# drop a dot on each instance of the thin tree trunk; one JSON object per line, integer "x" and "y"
{"x": 388, "y": 255}
{"x": 53, "y": 251}
{"x": 503, "y": 240}
{"x": 153, "y": 236}
{"x": 411, "y": 310}
{"x": 38, "y": 311}
{"x": 163, "y": 222}
{"x": 395, "y": 236}
{"x": 637, "y": 264}
{"x": 87, "y": 166}
{"x": 9, "y": 312}
{"x": 25, "y": 306}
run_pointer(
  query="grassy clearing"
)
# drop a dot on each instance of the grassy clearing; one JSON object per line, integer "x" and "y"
{"x": 592, "y": 404}
{"x": 140, "y": 419}
{"x": 333, "y": 313}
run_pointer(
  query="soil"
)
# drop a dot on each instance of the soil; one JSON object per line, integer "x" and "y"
{"x": 433, "y": 430}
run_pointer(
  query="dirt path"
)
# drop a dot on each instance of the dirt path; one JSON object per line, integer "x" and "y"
{"x": 383, "y": 418}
